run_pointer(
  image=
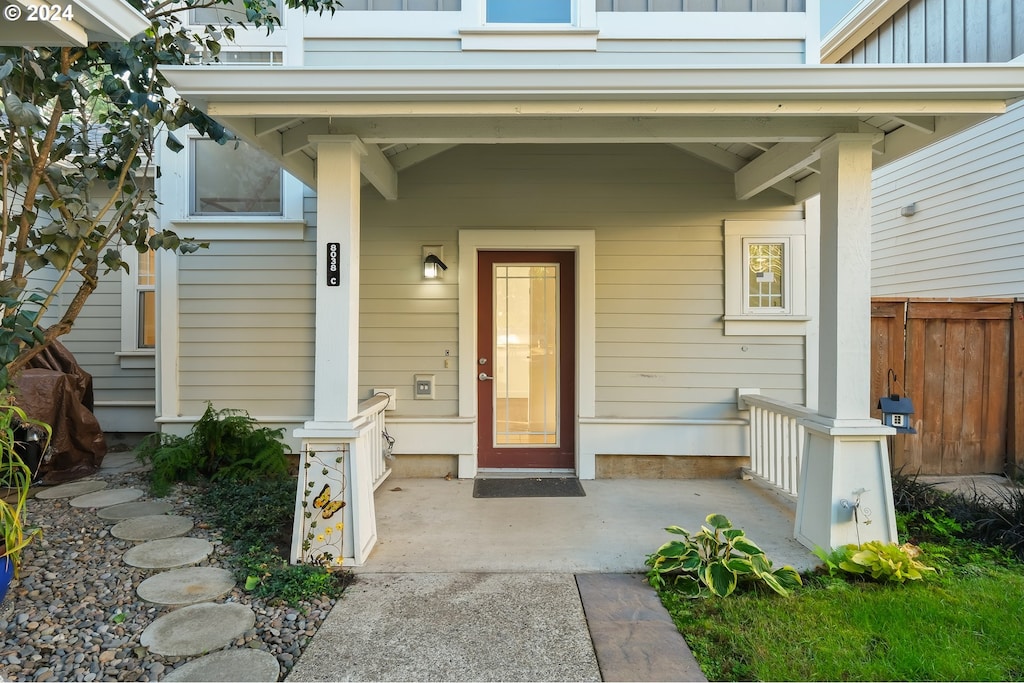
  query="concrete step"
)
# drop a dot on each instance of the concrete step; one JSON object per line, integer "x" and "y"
{"x": 71, "y": 489}
{"x": 139, "y": 508}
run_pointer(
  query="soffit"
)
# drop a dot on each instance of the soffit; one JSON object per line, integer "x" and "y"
{"x": 762, "y": 124}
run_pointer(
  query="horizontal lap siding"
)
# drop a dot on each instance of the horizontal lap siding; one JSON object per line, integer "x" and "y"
{"x": 247, "y": 309}
{"x": 245, "y": 323}
{"x": 95, "y": 341}
{"x": 657, "y": 214}
{"x": 964, "y": 239}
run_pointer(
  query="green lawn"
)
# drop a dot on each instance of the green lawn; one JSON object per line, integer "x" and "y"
{"x": 966, "y": 623}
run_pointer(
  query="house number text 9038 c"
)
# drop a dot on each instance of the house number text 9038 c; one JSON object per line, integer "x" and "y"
{"x": 333, "y": 264}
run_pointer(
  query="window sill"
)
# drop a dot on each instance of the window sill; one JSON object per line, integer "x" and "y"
{"x": 248, "y": 228}
{"x": 527, "y": 37}
{"x": 144, "y": 359}
{"x": 766, "y": 325}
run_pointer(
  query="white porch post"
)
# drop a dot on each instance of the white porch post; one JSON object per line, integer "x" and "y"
{"x": 845, "y": 490}
{"x": 331, "y": 461}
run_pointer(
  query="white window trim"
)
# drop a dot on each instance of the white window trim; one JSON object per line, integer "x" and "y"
{"x": 176, "y": 183}
{"x": 131, "y": 354}
{"x": 580, "y": 33}
{"x": 739, "y": 319}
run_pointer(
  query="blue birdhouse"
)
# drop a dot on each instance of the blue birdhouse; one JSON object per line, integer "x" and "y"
{"x": 896, "y": 413}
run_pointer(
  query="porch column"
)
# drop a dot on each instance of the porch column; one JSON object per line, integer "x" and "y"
{"x": 334, "y": 466}
{"x": 336, "y": 369}
{"x": 845, "y": 489}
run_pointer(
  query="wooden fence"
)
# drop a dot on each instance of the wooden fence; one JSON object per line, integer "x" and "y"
{"x": 961, "y": 362}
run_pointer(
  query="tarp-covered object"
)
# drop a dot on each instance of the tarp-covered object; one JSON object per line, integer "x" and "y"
{"x": 54, "y": 389}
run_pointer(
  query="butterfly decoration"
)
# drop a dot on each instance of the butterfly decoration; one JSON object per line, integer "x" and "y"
{"x": 324, "y": 503}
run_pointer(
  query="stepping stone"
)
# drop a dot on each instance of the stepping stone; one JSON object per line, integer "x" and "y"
{"x": 117, "y": 463}
{"x": 103, "y": 499}
{"x": 141, "y": 508}
{"x": 71, "y": 489}
{"x": 229, "y": 665}
{"x": 151, "y": 527}
{"x": 187, "y": 586}
{"x": 197, "y": 629}
{"x": 168, "y": 552}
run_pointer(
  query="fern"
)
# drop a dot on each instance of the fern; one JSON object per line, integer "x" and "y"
{"x": 224, "y": 445}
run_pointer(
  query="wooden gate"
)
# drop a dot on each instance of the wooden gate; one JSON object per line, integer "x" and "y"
{"x": 962, "y": 364}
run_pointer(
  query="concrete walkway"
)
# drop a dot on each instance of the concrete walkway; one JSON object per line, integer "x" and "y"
{"x": 520, "y": 589}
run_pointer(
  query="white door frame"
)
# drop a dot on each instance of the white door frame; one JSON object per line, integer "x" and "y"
{"x": 583, "y": 243}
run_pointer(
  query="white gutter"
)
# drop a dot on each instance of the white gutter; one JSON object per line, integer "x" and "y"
{"x": 850, "y": 85}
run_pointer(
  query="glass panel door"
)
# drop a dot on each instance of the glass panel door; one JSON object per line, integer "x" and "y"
{"x": 526, "y": 354}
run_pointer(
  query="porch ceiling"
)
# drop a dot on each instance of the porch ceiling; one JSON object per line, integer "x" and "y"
{"x": 764, "y": 125}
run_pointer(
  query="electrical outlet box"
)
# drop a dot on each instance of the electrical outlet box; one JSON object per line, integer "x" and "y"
{"x": 390, "y": 391}
{"x": 423, "y": 386}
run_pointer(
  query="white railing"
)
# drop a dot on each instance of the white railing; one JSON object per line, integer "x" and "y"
{"x": 372, "y": 442}
{"x": 776, "y": 440}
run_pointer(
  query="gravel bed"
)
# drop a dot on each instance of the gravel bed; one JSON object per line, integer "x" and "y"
{"x": 74, "y": 615}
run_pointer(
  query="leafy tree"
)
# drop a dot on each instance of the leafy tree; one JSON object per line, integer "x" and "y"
{"x": 78, "y": 126}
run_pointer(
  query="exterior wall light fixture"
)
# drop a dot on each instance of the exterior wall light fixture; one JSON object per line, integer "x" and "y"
{"x": 433, "y": 266}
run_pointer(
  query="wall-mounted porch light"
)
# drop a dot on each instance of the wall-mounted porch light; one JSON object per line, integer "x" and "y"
{"x": 433, "y": 266}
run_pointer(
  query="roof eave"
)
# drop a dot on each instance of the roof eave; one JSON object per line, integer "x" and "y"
{"x": 845, "y": 88}
{"x": 857, "y": 25}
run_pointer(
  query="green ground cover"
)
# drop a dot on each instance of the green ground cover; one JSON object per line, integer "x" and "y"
{"x": 964, "y": 624}
{"x": 961, "y": 623}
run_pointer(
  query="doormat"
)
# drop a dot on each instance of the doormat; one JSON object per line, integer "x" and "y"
{"x": 533, "y": 487}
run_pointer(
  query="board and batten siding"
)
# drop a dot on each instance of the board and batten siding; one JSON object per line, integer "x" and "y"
{"x": 945, "y": 31}
{"x": 965, "y": 237}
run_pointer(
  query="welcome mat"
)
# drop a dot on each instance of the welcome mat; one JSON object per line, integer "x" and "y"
{"x": 533, "y": 487}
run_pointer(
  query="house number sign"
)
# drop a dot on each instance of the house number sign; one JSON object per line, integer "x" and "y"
{"x": 333, "y": 264}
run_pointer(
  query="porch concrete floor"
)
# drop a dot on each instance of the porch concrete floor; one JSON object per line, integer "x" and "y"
{"x": 435, "y": 525}
{"x": 487, "y": 589}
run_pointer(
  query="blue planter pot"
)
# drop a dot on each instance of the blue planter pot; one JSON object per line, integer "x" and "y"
{"x": 6, "y": 573}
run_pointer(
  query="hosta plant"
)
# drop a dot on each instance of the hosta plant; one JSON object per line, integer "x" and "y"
{"x": 714, "y": 561}
{"x": 877, "y": 560}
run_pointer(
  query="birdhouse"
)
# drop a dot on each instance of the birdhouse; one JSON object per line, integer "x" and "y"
{"x": 896, "y": 413}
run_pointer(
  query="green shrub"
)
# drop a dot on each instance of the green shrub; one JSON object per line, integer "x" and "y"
{"x": 877, "y": 560}
{"x": 255, "y": 518}
{"x": 714, "y": 561}
{"x": 268, "y": 575}
{"x": 223, "y": 445}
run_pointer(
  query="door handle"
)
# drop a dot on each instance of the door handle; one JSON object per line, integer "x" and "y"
{"x": 484, "y": 376}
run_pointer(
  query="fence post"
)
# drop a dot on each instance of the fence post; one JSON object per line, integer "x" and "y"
{"x": 1015, "y": 412}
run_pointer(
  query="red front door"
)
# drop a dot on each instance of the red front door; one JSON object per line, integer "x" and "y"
{"x": 526, "y": 340}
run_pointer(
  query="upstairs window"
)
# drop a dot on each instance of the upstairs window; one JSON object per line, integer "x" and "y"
{"x": 233, "y": 180}
{"x": 529, "y": 11}
{"x": 235, "y": 10}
